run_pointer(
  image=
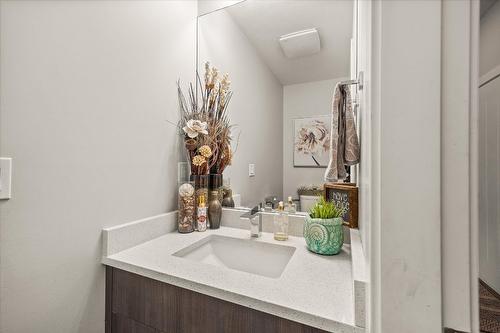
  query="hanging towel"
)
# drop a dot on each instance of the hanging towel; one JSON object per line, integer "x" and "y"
{"x": 344, "y": 143}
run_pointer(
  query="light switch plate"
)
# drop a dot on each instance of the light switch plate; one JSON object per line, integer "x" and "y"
{"x": 251, "y": 170}
{"x": 5, "y": 177}
{"x": 182, "y": 172}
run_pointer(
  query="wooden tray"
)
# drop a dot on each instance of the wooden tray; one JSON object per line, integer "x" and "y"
{"x": 345, "y": 195}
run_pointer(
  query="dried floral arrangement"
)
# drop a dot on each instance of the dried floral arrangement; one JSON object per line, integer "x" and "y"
{"x": 205, "y": 124}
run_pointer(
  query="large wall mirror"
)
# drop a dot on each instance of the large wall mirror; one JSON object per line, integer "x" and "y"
{"x": 284, "y": 59}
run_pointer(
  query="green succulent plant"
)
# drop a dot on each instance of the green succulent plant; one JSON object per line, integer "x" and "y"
{"x": 325, "y": 210}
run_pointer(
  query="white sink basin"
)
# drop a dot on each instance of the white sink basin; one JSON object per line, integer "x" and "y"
{"x": 247, "y": 255}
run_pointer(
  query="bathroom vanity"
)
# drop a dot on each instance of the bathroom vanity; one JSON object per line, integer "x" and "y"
{"x": 135, "y": 303}
{"x": 158, "y": 280}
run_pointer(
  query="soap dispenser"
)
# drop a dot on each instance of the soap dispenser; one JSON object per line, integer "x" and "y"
{"x": 291, "y": 207}
{"x": 281, "y": 223}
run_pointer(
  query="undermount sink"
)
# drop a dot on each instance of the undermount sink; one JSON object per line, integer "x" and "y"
{"x": 247, "y": 255}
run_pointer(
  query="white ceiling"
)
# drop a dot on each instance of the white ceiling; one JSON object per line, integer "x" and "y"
{"x": 264, "y": 22}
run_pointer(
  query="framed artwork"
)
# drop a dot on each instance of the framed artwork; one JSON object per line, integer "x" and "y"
{"x": 311, "y": 142}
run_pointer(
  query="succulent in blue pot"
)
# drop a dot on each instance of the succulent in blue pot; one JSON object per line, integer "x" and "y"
{"x": 323, "y": 228}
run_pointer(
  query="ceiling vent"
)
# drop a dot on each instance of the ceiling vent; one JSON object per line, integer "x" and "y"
{"x": 301, "y": 43}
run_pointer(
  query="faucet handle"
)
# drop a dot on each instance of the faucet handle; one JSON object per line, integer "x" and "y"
{"x": 257, "y": 208}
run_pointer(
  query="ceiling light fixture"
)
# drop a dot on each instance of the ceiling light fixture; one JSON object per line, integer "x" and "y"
{"x": 301, "y": 43}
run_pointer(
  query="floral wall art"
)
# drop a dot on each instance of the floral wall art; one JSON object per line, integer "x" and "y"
{"x": 311, "y": 141}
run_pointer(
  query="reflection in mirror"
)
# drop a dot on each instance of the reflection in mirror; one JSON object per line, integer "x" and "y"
{"x": 284, "y": 59}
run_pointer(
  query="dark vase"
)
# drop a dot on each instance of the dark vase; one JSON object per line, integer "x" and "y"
{"x": 215, "y": 184}
{"x": 228, "y": 198}
{"x": 214, "y": 211}
{"x": 200, "y": 181}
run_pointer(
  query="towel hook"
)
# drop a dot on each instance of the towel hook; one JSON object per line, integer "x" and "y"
{"x": 358, "y": 81}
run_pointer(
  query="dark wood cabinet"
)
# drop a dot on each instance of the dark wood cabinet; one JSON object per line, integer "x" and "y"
{"x": 136, "y": 304}
{"x": 126, "y": 325}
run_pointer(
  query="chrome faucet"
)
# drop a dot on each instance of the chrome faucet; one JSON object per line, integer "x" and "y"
{"x": 255, "y": 226}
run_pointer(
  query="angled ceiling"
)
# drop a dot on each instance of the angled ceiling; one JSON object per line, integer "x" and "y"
{"x": 263, "y": 22}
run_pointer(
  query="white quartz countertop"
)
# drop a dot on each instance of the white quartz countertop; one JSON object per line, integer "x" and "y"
{"x": 314, "y": 290}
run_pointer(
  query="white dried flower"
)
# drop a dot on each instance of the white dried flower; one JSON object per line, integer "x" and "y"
{"x": 186, "y": 190}
{"x": 225, "y": 83}
{"x": 194, "y": 127}
{"x": 205, "y": 151}
{"x": 215, "y": 75}
{"x": 198, "y": 160}
{"x": 207, "y": 73}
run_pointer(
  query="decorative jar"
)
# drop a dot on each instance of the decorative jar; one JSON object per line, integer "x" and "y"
{"x": 324, "y": 236}
{"x": 186, "y": 219}
{"x": 214, "y": 211}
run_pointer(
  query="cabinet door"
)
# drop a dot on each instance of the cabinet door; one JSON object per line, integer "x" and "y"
{"x": 135, "y": 304}
{"x": 122, "y": 324}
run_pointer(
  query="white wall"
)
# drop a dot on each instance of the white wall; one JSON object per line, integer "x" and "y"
{"x": 303, "y": 100}
{"x": 405, "y": 238}
{"x": 405, "y": 245}
{"x": 489, "y": 184}
{"x": 489, "y": 46}
{"x": 455, "y": 168}
{"x": 367, "y": 140}
{"x": 86, "y": 87}
{"x": 489, "y": 150}
{"x": 256, "y": 107}
{"x": 368, "y": 136}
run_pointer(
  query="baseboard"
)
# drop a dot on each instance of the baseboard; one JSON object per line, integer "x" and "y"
{"x": 451, "y": 330}
{"x": 490, "y": 289}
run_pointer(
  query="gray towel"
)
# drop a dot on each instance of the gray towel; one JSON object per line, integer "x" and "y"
{"x": 344, "y": 143}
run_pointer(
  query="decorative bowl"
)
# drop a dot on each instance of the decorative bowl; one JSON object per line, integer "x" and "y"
{"x": 324, "y": 236}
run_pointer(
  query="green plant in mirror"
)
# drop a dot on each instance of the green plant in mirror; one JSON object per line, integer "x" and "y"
{"x": 325, "y": 210}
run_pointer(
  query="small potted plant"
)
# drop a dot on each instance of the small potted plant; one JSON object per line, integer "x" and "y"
{"x": 323, "y": 228}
